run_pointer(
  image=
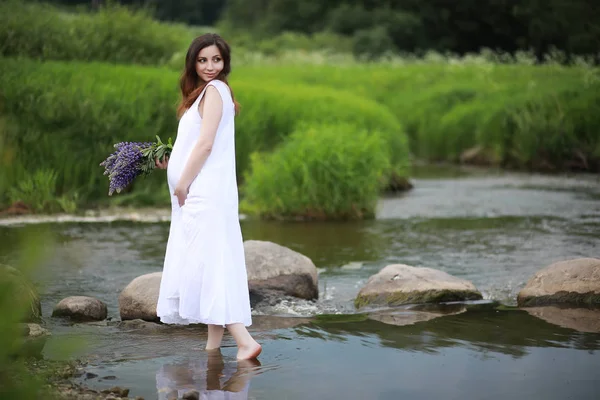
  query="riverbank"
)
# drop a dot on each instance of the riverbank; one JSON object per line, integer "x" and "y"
{"x": 112, "y": 214}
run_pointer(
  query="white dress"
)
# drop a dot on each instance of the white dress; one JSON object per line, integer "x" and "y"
{"x": 204, "y": 275}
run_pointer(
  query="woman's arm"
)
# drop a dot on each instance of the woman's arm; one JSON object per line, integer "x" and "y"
{"x": 213, "y": 110}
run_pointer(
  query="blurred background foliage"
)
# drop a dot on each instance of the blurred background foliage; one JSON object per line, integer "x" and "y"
{"x": 414, "y": 26}
{"x": 502, "y": 83}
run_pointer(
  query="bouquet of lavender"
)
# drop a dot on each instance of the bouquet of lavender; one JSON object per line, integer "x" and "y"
{"x": 132, "y": 159}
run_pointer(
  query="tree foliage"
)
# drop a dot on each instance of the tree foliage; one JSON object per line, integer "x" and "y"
{"x": 460, "y": 26}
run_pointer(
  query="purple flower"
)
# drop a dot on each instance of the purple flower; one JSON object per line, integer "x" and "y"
{"x": 124, "y": 165}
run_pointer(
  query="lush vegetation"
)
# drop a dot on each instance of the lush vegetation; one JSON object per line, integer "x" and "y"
{"x": 61, "y": 118}
{"x": 61, "y": 125}
{"x": 523, "y": 116}
{"x": 460, "y": 26}
{"x": 409, "y": 26}
{"x": 318, "y": 173}
{"x": 112, "y": 34}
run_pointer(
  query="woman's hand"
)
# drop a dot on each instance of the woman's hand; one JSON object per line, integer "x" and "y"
{"x": 162, "y": 164}
{"x": 181, "y": 194}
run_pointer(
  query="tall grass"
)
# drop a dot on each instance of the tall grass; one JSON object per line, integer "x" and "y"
{"x": 112, "y": 34}
{"x": 511, "y": 110}
{"x": 321, "y": 171}
{"x": 66, "y": 117}
{"x": 271, "y": 111}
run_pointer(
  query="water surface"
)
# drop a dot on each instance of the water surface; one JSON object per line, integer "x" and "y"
{"x": 495, "y": 229}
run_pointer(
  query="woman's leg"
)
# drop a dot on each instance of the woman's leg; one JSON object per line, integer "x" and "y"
{"x": 248, "y": 348}
{"x": 215, "y": 335}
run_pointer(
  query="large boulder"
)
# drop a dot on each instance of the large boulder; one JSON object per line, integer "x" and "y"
{"x": 139, "y": 299}
{"x": 14, "y": 279}
{"x": 572, "y": 282}
{"x": 399, "y": 284}
{"x": 274, "y": 272}
{"x": 81, "y": 308}
{"x": 276, "y": 269}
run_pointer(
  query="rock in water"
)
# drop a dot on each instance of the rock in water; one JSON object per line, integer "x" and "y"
{"x": 572, "y": 282}
{"x": 275, "y": 268}
{"x": 35, "y": 330}
{"x": 81, "y": 308}
{"x": 399, "y": 284}
{"x": 139, "y": 299}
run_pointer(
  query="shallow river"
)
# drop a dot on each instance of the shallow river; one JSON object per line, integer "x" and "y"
{"x": 495, "y": 229}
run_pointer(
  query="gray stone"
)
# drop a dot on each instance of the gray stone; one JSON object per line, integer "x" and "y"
{"x": 273, "y": 271}
{"x": 275, "y": 268}
{"x": 399, "y": 284}
{"x": 81, "y": 308}
{"x": 35, "y": 330}
{"x": 139, "y": 299}
{"x": 573, "y": 282}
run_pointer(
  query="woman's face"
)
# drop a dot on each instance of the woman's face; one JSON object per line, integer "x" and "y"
{"x": 209, "y": 63}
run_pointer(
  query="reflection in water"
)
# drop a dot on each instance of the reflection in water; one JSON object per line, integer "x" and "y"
{"x": 211, "y": 377}
{"x": 483, "y": 327}
{"x": 579, "y": 319}
{"x": 401, "y": 316}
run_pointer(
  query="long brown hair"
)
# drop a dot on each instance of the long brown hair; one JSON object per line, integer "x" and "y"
{"x": 190, "y": 83}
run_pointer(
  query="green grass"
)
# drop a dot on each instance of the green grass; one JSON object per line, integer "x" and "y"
{"x": 113, "y": 34}
{"x": 320, "y": 172}
{"x": 529, "y": 117}
{"x": 60, "y": 121}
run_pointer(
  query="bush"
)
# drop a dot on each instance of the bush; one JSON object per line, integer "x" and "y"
{"x": 271, "y": 111}
{"x": 113, "y": 34}
{"x": 329, "y": 171}
{"x": 555, "y": 131}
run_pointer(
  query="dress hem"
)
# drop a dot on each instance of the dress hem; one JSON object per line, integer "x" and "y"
{"x": 178, "y": 319}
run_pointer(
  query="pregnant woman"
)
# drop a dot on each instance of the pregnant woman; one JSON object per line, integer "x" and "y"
{"x": 204, "y": 276}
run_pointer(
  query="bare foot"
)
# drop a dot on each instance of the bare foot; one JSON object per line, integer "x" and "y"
{"x": 249, "y": 352}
